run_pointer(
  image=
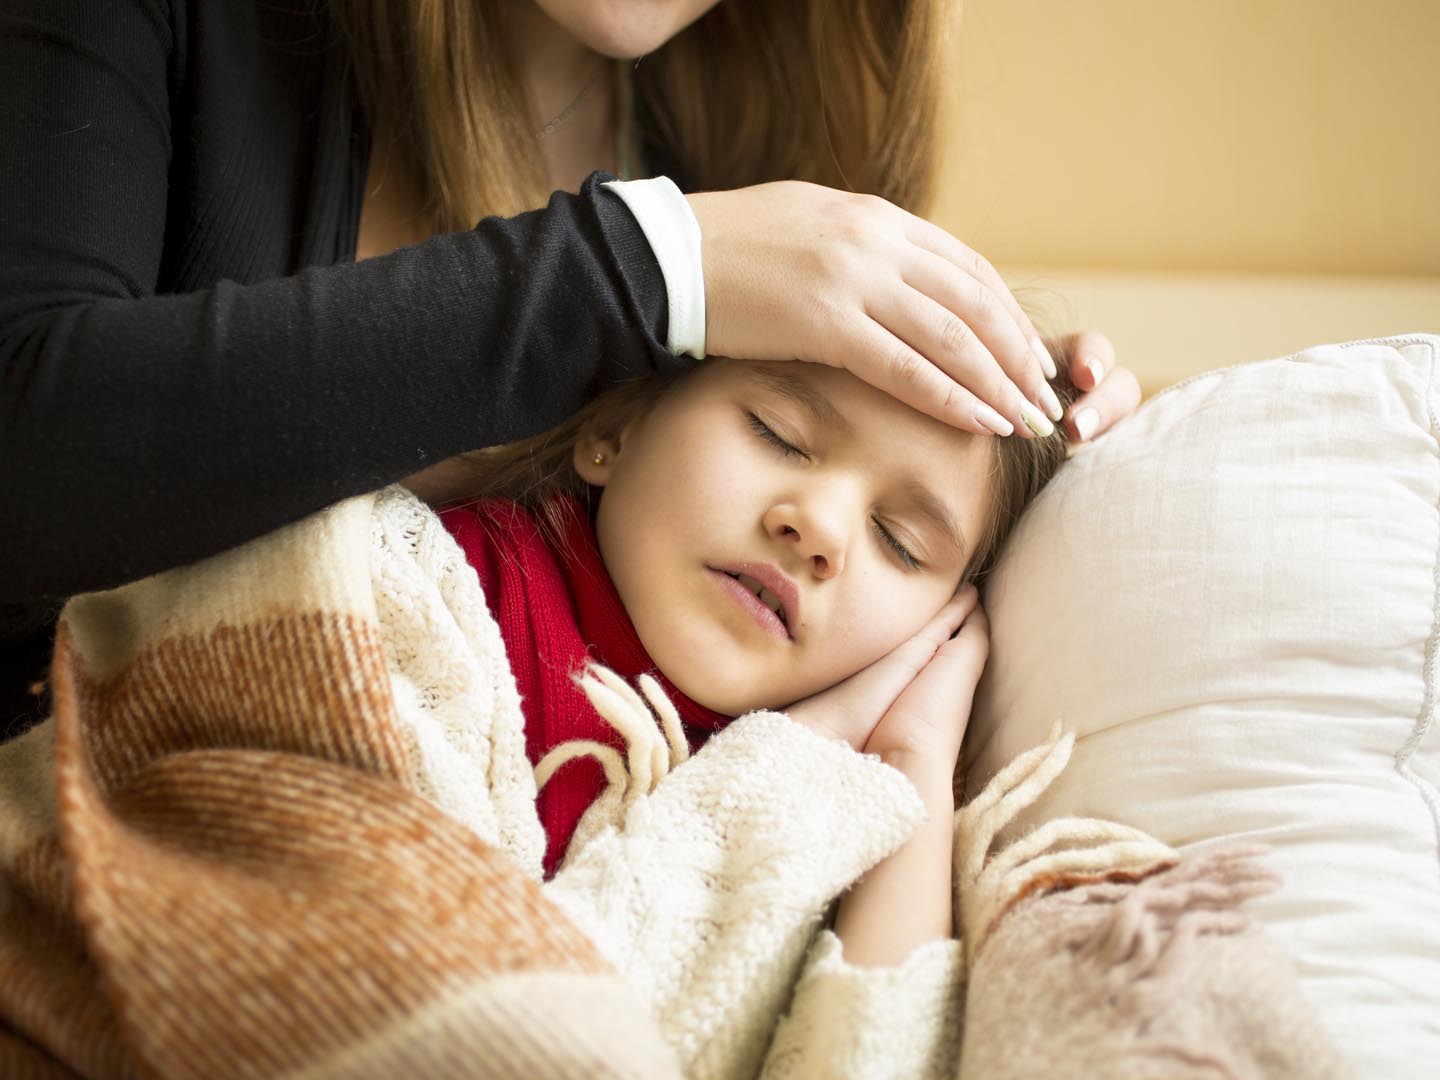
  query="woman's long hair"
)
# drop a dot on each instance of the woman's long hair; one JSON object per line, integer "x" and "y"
{"x": 843, "y": 93}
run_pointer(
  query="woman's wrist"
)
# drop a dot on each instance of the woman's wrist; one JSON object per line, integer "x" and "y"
{"x": 668, "y": 222}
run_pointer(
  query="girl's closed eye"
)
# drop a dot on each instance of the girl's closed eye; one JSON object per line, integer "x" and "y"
{"x": 900, "y": 551}
{"x": 766, "y": 432}
{"x": 789, "y": 449}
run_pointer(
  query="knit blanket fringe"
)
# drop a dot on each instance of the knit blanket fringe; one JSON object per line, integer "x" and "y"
{"x": 1060, "y": 854}
{"x": 654, "y": 745}
{"x": 1093, "y": 944}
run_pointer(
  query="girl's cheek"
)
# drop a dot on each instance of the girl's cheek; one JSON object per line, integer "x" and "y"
{"x": 865, "y": 632}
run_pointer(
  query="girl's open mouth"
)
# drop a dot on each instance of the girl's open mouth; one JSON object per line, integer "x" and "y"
{"x": 760, "y": 603}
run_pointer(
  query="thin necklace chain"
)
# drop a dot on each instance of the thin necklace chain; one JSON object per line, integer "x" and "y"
{"x": 559, "y": 119}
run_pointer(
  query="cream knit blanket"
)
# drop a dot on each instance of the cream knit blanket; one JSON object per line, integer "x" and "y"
{"x": 282, "y": 823}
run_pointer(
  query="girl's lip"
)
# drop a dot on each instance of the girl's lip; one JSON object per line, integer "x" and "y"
{"x": 777, "y": 581}
{"x": 766, "y": 619}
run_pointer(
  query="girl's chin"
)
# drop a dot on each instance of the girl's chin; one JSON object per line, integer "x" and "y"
{"x": 719, "y": 694}
{"x": 716, "y": 700}
{"x": 712, "y": 670}
{"x": 712, "y": 690}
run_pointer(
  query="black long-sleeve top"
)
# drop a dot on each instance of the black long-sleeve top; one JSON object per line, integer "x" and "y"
{"x": 190, "y": 356}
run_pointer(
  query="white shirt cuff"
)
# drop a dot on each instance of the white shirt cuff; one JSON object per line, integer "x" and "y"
{"x": 665, "y": 217}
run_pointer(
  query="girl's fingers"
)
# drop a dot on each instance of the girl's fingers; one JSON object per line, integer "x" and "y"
{"x": 1114, "y": 399}
{"x": 1091, "y": 357}
{"x": 930, "y": 715}
{"x": 952, "y": 616}
{"x": 883, "y": 680}
{"x": 852, "y": 709}
{"x": 973, "y": 636}
{"x": 889, "y": 678}
{"x": 888, "y": 363}
{"x": 898, "y": 667}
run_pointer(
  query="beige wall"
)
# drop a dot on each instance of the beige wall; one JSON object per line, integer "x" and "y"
{"x": 1097, "y": 144}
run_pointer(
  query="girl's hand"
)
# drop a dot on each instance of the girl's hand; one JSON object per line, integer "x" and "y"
{"x": 1108, "y": 393}
{"x": 878, "y": 709}
{"x": 905, "y": 901}
{"x": 922, "y": 730}
{"x": 798, "y": 271}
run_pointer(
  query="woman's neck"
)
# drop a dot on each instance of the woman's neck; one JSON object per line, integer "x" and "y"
{"x": 569, "y": 83}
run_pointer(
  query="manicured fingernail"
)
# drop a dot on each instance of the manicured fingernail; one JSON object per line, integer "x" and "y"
{"x": 1051, "y": 403}
{"x": 1047, "y": 362}
{"x": 1096, "y": 370}
{"x": 993, "y": 420}
{"x": 1035, "y": 420}
{"x": 1086, "y": 421}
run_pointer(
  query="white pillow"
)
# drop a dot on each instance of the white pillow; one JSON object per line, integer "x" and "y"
{"x": 1232, "y": 600}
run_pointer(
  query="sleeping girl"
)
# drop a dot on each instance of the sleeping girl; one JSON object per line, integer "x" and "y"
{"x": 438, "y": 808}
{"x": 755, "y": 536}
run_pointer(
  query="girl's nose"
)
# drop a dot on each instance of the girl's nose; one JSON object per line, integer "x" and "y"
{"x": 817, "y": 533}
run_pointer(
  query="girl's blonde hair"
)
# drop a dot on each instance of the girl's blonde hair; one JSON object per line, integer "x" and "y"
{"x": 532, "y": 470}
{"x": 839, "y": 92}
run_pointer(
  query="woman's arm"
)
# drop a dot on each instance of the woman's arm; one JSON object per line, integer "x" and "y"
{"x": 139, "y": 430}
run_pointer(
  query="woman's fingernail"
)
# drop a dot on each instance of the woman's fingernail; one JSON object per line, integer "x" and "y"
{"x": 1035, "y": 420}
{"x": 1096, "y": 370}
{"x": 1086, "y": 421}
{"x": 1047, "y": 362}
{"x": 991, "y": 419}
{"x": 1052, "y": 403}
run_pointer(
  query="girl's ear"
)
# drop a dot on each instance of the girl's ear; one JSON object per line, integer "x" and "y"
{"x": 594, "y": 457}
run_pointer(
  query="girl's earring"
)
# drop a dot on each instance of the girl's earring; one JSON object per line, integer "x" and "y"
{"x": 600, "y": 458}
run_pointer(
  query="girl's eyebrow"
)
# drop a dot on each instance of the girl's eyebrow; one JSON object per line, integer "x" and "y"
{"x": 803, "y": 394}
{"x": 926, "y": 503}
{"x": 929, "y": 505}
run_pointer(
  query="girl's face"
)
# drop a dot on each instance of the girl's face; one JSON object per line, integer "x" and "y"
{"x": 774, "y": 528}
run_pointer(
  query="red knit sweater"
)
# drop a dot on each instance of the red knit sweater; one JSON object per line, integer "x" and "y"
{"x": 557, "y": 608}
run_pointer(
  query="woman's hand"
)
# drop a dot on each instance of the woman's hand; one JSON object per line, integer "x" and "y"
{"x": 798, "y": 271}
{"x": 911, "y": 706}
{"x": 1108, "y": 393}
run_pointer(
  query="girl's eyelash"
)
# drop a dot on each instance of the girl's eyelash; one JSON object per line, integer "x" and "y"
{"x": 767, "y": 433}
{"x": 901, "y": 551}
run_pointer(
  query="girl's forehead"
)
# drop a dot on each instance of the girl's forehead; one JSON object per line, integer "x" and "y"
{"x": 841, "y": 402}
{"x": 909, "y": 461}
{"x": 895, "y": 441}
